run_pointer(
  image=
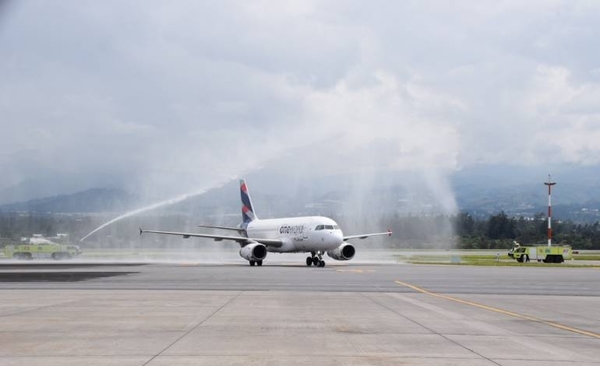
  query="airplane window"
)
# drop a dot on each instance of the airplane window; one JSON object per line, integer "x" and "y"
{"x": 329, "y": 227}
{"x": 320, "y": 227}
{"x": 335, "y": 227}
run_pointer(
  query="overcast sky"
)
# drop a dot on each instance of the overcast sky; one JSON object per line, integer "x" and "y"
{"x": 168, "y": 96}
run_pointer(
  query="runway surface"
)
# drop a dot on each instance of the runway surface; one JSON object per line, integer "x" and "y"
{"x": 193, "y": 313}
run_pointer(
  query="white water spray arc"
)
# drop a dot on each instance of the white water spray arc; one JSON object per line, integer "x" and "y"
{"x": 157, "y": 205}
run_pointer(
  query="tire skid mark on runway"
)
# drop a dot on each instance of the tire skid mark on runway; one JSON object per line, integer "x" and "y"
{"x": 501, "y": 311}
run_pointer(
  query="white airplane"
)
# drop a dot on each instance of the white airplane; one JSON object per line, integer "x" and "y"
{"x": 316, "y": 235}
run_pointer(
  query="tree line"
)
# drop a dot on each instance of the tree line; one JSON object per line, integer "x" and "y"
{"x": 462, "y": 230}
{"x": 500, "y": 230}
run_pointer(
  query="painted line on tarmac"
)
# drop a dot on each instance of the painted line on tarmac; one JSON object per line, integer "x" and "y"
{"x": 501, "y": 311}
{"x": 358, "y": 270}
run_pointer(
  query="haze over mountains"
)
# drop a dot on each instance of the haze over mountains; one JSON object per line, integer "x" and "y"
{"x": 480, "y": 191}
{"x": 158, "y": 102}
{"x": 88, "y": 201}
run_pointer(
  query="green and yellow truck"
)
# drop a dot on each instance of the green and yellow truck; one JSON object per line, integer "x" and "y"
{"x": 46, "y": 250}
{"x": 541, "y": 253}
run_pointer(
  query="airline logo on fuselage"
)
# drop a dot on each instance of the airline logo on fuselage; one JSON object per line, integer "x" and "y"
{"x": 291, "y": 229}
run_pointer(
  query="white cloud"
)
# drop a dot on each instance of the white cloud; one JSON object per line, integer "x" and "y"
{"x": 568, "y": 115}
{"x": 169, "y": 96}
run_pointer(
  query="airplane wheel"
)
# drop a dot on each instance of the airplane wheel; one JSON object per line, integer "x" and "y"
{"x": 315, "y": 261}
{"x": 309, "y": 261}
{"x": 321, "y": 263}
{"x": 259, "y": 263}
{"x": 251, "y": 263}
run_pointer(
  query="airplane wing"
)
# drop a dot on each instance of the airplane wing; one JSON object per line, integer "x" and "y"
{"x": 239, "y": 230}
{"x": 240, "y": 239}
{"x": 364, "y": 236}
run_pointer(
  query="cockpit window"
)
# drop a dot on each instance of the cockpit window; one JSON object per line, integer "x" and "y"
{"x": 327, "y": 227}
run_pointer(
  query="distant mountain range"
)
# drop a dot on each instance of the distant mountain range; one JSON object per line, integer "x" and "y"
{"x": 479, "y": 191}
{"x": 88, "y": 201}
{"x": 521, "y": 191}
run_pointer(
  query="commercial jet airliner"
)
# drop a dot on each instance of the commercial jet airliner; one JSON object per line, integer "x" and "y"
{"x": 316, "y": 235}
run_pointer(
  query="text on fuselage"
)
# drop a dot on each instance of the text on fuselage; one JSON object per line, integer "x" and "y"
{"x": 291, "y": 229}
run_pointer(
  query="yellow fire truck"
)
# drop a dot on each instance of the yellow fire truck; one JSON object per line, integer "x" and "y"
{"x": 45, "y": 250}
{"x": 541, "y": 253}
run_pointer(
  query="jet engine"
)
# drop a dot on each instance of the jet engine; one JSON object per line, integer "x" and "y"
{"x": 254, "y": 252}
{"x": 344, "y": 252}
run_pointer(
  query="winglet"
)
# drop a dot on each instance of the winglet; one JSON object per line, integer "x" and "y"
{"x": 141, "y": 231}
{"x": 389, "y": 232}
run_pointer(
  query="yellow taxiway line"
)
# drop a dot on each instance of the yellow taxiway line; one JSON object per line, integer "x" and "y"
{"x": 501, "y": 311}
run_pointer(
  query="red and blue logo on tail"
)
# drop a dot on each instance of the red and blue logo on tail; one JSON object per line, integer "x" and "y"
{"x": 247, "y": 208}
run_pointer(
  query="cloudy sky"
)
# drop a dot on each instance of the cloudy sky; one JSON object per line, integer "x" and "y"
{"x": 171, "y": 96}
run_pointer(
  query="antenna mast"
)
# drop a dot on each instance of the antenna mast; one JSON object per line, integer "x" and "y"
{"x": 549, "y": 183}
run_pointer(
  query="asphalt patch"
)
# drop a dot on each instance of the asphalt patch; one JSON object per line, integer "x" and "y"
{"x": 56, "y": 276}
{"x": 62, "y": 265}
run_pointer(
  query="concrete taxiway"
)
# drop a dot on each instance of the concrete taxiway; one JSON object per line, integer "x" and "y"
{"x": 285, "y": 313}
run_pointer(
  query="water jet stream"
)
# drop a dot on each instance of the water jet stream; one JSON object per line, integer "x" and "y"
{"x": 160, "y": 204}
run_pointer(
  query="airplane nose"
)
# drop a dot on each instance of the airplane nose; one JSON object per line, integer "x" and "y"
{"x": 338, "y": 237}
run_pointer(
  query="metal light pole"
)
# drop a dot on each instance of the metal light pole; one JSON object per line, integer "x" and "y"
{"x": 549, "y": 183}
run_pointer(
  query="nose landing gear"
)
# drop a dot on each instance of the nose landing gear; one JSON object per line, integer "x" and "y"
{"x": 316, "y": 259}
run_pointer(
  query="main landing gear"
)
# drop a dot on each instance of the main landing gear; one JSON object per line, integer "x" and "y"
{"x": 316, "y": 259}
{"x": 258, "y": 263}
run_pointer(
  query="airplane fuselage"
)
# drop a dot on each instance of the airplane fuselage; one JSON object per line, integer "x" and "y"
{"x": 298, "y": 234}
{"x": 314, "y": 234}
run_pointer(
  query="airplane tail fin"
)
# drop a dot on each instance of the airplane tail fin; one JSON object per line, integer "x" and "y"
{"x": 247, "y": 208}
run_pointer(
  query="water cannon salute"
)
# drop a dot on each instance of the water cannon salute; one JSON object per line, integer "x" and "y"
{"x": 316, "y": 235}
{"x": 128, "y": 124}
